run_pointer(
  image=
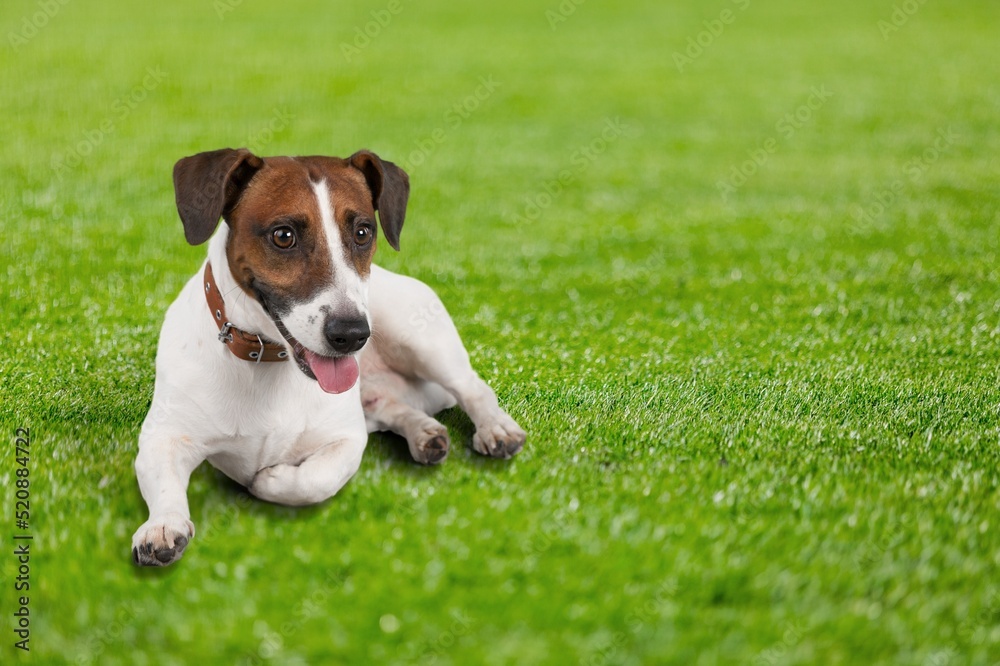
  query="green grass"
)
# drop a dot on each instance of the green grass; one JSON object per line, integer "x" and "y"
{"x": 764, "y": 428}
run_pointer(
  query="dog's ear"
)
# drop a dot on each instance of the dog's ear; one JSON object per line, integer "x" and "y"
{"x": 390, "y": 187}
{"x": 208, "y": 185}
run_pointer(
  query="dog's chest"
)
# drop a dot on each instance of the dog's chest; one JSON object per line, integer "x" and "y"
{"x": 281, "y": 429}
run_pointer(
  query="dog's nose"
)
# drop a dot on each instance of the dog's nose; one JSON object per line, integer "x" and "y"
{"x": 346, "y": 336}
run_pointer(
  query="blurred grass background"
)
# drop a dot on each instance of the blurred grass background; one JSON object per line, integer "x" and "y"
{"x": 763, "y": 418}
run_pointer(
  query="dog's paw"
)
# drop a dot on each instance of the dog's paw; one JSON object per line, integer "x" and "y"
{"x": 272, "y": 484}
{"x": 431, "y": 444}
{"x": 161, "y": 540}
{"x": 288, "y": 485}
{"x": 499, "y": 438}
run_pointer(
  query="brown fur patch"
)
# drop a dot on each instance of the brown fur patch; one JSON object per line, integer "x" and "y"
{"x": 352, "y": 206}
{"x": 281, "y": 193}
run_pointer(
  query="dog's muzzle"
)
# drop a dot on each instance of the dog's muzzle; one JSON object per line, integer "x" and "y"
{"x": 335, "y": 374}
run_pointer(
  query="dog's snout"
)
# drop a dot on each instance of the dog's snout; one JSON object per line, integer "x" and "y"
{"x": 346, "y": 336}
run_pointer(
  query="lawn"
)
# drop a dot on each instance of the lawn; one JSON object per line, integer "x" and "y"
{"x": 733, "y": 266}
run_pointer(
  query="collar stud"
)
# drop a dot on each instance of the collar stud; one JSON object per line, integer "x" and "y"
{"x": 243, "y": 345}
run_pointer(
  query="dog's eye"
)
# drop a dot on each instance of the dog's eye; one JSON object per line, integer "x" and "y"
{"x": 362, "y": 236}
{"x": 283, "y": 238}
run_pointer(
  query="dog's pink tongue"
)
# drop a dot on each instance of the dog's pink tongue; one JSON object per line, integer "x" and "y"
{"x": 335, "y": 375}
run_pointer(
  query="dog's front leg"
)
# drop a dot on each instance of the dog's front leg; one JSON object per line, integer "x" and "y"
{"x": 164, "y": 467}
{"x": 497, "y": 434}
{"x": 317, "y": 477}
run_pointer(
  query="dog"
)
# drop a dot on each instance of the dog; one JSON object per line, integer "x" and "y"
{"x": 289, "y": 345}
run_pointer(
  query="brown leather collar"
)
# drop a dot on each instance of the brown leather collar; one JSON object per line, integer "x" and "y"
{"x": 247, "y": 346}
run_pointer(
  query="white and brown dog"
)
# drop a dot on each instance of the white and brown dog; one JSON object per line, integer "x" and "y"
{"x": 257, "y": 369}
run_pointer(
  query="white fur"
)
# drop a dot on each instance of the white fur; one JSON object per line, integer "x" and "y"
{"x": 272, "y": 429}
{"x": 346, "y": 297}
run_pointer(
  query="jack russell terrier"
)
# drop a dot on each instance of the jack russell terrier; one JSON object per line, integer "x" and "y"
{"x": 289, "y": 346}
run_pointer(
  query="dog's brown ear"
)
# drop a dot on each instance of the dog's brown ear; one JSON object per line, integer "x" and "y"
{"x": 390, "y": 187}
{"x": 208, "y": 185}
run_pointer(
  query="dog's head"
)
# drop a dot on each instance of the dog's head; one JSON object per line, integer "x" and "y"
{"x": 302, "y": 232}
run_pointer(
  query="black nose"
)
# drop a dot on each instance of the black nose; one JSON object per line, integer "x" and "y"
{"x": 346, "y": 337}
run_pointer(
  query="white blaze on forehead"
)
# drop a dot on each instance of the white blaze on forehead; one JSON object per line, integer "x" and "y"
{"x": 345, "y": 294}
{"x": 351, "y": 288}
{"x": 326, "y": 214}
